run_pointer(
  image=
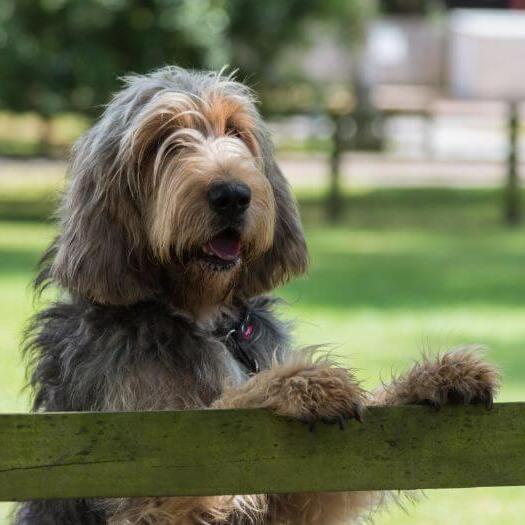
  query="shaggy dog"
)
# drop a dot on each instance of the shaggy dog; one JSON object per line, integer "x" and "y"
{"x": 176, "y": 220}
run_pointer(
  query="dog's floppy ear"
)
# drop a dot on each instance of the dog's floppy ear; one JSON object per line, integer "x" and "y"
{"x": 100, "y": 251}
{"x": 288, "y": 256}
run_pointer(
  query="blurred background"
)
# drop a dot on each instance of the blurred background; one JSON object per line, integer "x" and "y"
{"x": 399, "y": 125}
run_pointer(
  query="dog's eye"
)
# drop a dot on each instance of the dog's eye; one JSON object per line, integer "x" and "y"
{"x": 233, "y": 131}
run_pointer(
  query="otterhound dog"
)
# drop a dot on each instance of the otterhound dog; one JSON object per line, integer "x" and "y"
{"x": 176, "y": 220}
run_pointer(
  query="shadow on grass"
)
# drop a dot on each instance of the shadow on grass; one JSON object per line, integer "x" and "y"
{"x": 414, "y": 208}
{"x": 27, "y": 210}
{"x": 410, "y": 280}
{"x": 410, "y": 248}
{"x": 413, "y": 248}
{"x": 383, "y": 209}
{"x": 25, "y": 150}
{"x": 18, "y": 261}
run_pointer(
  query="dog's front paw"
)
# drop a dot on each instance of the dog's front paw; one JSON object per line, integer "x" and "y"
{"x": 318, "y": 392}
{"x": 457, "y": 377}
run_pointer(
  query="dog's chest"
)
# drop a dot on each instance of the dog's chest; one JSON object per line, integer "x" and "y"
{"x": 146, "y": 357}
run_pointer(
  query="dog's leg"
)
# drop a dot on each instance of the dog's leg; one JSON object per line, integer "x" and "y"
{"x": 304, "y": 389}
{"x": 459, "y": 376}
{"x": 310, "y": 391}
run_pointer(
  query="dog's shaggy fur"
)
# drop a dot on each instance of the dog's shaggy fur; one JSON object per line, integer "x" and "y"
{"x": 176, "y": 220}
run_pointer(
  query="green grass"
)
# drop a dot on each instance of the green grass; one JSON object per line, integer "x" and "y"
{"x": 406, "y": 271}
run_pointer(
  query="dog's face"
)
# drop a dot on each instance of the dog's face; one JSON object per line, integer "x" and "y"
{"x": 176, "y": 190}
{"x": 209, "y": 204}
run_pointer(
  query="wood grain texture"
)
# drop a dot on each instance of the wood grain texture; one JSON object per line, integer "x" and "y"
{"x": 252, "y": 451}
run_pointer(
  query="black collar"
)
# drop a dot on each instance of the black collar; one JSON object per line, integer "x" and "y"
{"x": 240, "y": 341}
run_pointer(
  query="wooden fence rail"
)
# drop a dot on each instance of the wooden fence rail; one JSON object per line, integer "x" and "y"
{"x": 252, "y": 451}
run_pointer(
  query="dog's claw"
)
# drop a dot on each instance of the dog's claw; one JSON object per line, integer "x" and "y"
{"x": 340, "y": 420}
{"x": 489, "y": 403}
{"x": 434, "y": 405}
{"x": 455, "y": 398}
{"x": 487, "y": 399}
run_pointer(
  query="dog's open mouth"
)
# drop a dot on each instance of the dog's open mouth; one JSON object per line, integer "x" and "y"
{"x": 223, "y": 251}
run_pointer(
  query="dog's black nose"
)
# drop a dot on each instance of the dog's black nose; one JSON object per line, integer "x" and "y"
{"x": 229, "y": 198}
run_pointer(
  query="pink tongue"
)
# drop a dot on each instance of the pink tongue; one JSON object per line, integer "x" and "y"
{"x": 226, "y": 248}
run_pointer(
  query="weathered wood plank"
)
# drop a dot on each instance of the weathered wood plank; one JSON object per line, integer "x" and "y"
{"x": 252, "y": 451}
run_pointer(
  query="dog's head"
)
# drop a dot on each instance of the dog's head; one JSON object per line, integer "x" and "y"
{"x": 176, "y": 190}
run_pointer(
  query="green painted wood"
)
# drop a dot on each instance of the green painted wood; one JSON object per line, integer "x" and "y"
{"x": 253, "y": 451}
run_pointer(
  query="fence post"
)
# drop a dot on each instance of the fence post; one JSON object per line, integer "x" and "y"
{"x": 334, "y": 202}
{"x": 512, "y": 192}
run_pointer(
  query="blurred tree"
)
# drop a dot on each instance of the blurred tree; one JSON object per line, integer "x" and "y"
{"x": 261, "y": 33}
{"x": 268, "y": 41}
{"x": 66, "y": 55}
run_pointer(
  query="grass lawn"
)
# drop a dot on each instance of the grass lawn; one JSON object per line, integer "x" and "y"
{"x": 405, "y": 271}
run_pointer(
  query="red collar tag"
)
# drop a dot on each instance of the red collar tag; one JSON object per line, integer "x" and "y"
{"x": 247, "y": 332}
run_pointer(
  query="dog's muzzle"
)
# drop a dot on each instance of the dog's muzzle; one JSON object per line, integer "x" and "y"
{"x": 229, "y": 200}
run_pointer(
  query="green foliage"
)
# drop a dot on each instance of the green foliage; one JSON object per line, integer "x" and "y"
{"x": 260, "y": 31}
{"x": 268, "y": 40}
{"x": 67, "y": 55}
